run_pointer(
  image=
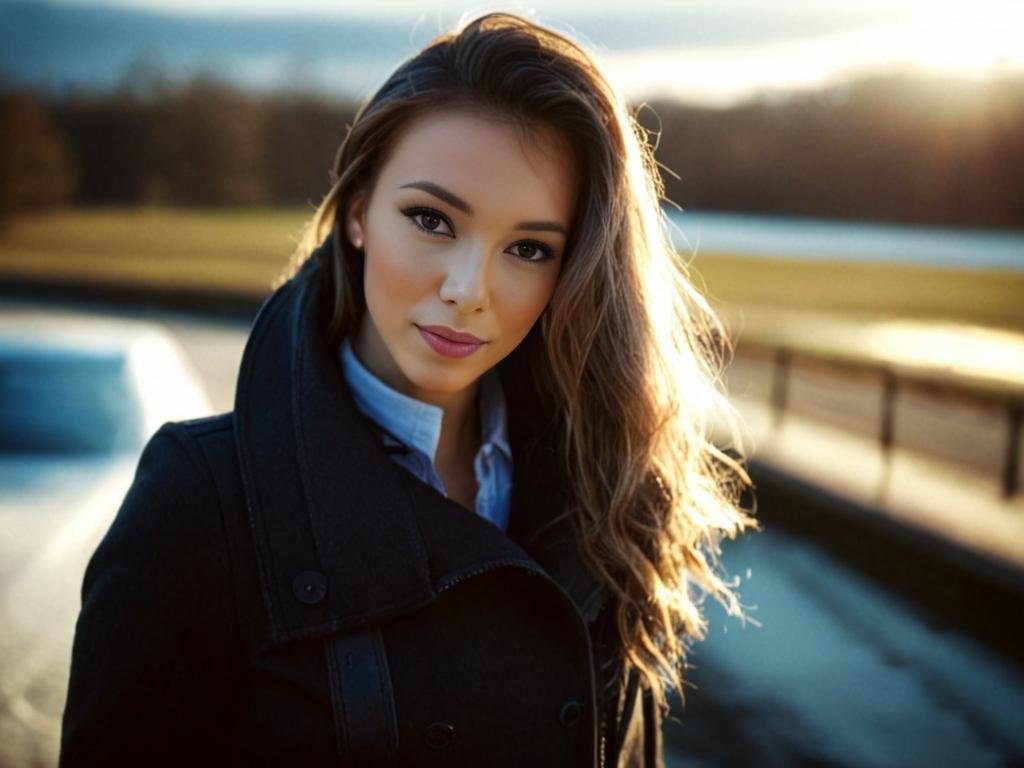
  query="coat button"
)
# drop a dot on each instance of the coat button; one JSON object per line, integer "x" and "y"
{"x": 309, "y": 587}
{"x": 438, "y": 736}
{"x": 571, "y": 714}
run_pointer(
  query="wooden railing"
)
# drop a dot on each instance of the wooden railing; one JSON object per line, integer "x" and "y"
{"x": 896, "y": 378}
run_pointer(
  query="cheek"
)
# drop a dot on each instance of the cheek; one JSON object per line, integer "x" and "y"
{"x": 395, "y": 280}
{"x": 525, "y": 298}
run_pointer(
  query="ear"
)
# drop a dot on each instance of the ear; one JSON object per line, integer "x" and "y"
{"x": 354, "y": 221}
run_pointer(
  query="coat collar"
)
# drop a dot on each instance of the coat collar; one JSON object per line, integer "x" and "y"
{"x": 343, "y": 536}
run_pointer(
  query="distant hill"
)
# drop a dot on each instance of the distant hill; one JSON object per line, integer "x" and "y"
{"x": 57, "y": 47}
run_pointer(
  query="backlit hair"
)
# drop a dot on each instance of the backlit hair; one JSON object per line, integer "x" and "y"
{"x": 628, "y": 356}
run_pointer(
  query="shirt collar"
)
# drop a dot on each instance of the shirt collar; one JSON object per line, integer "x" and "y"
{"x": 493, "y": 421}
{"x": 418, "y": 424}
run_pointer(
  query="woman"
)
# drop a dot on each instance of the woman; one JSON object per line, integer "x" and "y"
{"x": 455, "y": 512}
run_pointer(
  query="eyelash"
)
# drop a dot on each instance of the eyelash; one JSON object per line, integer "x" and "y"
{"x": 413, "y": 212}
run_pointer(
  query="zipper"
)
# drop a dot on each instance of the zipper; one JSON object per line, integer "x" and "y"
{"x": 602, "y": 746}
{"x": 450, "y": 581}
{"x": 446, "y": 583}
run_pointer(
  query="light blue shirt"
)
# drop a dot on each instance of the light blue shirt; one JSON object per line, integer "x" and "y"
{"x": 416, "y": 426}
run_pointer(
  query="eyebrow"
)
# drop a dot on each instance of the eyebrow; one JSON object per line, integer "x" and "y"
{"x": 457, "y": 202}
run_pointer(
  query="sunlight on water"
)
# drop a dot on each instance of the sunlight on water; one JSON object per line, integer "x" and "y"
{"x": 707, "y": 232}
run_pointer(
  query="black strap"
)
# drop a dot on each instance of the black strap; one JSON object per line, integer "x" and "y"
{"x": 652, "y": 731}
{"x": 629, "y": 702}
{"x": 364, "y": 707}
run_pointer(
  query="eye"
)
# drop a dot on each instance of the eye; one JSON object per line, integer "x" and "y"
{"x": 429, "y": 220}
{"x": 532, "y": 250}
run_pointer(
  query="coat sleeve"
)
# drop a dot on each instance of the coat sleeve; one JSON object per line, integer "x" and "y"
{"x": 151, "y": 667}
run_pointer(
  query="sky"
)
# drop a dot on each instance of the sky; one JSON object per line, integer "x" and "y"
{"x": 708, "y": 52}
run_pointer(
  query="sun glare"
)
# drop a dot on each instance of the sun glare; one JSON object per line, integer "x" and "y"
{"x": 960, "y": 39}
{"x": 964, "y": 40}
{"x": 994, "y": 354}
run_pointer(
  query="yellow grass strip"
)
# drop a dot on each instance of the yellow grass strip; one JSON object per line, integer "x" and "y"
{"x": 985, "y": 297}
{"x": 240, "y": 251}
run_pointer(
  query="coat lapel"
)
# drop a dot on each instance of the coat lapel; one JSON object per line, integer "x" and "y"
{"x": 344, "y": 537}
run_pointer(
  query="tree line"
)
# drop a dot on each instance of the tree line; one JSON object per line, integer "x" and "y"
{"x": 893, "y": 148}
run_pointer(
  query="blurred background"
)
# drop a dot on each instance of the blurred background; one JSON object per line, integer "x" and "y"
{"x": 845, "y": 179}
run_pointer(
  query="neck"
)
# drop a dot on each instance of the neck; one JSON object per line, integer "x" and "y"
{"x": 460, "y": 431}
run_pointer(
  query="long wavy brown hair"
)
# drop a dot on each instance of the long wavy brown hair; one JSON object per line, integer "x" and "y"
{"x": 628, "y": 354}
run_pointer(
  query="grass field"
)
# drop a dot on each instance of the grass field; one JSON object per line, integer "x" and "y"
{"x": 239, "y": 251}
{"x": 983, "y": 297}
{"x": 242, "y": 251}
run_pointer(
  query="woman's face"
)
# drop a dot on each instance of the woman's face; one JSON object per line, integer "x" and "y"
{"x": 464, "y": 235}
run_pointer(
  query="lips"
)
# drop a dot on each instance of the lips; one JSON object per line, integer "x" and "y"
{"x": 449, "y": 342}
{"x": 452, "y": 335}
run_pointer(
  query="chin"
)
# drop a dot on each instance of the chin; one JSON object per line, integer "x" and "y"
{"x": 442, "y": 377}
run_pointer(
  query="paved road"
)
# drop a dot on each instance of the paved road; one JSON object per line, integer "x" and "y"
{"x": 843, "y": 673}
{"x": 839, "y": 673}
{"x": 42, "y": 559}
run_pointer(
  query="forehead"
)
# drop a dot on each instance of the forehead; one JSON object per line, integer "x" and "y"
{"x": 491, "y": 162}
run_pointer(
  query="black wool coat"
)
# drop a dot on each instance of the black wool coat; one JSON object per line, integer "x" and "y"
{"x": 275, "y": 591}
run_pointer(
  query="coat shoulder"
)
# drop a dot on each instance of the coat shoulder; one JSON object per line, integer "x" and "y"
{"x": 172, "y": 511}
{"x": 156, "y": 638}
{"x": 186, "y": 490}
{"x": 195, "y": 434}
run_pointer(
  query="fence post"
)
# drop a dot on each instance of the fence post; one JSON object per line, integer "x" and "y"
{"x": 780, "y": 384}
{"x": 889, "y": 388}
{"x": 1011, "y": 478}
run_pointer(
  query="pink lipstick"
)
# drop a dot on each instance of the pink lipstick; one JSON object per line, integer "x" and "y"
{"x": 448, "y": 342}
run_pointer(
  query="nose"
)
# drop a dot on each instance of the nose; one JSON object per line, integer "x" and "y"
{"x": 465, "y": 283}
